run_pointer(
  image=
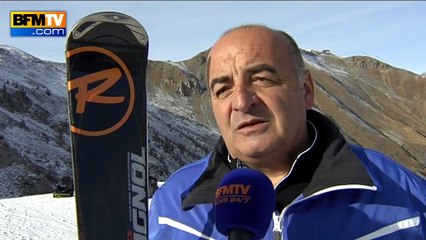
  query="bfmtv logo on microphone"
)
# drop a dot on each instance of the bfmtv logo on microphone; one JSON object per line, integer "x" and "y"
{"x": 245, "y": 200}
{"x": 238, "y": 193}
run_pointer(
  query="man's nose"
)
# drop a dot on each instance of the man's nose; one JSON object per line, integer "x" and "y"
{"x": 244, "y": 98}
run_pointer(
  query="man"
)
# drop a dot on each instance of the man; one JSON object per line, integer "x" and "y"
{"x": 261, "y": 98}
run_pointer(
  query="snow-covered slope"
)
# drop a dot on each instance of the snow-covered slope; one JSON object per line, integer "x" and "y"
{"x": 38, "y": 217}
{"x": 34, "y": 140}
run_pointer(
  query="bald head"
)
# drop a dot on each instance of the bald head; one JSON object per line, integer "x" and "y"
{"x": 280, "y": 36}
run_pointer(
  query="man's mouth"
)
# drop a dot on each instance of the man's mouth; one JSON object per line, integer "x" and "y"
{"x": 249, "y": 123}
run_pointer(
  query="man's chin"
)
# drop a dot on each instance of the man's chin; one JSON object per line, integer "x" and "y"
{"x": 254, "y": 152}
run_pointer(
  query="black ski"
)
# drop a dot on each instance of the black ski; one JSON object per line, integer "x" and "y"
{"x": 106, "y": 68}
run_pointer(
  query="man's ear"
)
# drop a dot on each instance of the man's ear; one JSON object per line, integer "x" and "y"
{"x": 308, "y": 86}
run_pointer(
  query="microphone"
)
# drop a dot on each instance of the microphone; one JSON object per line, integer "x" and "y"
{"x": 244, "y": 203}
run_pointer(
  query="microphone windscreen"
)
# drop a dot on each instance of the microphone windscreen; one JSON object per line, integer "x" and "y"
{"x": 245, "y": 199}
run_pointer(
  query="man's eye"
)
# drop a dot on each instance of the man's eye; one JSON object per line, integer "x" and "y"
{"x": 263, "y": 81}
{"x": 260, "y": 79}
{"x": 222, "y": 92}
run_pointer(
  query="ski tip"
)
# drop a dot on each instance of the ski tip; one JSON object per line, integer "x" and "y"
{"x": 91, "y": 21}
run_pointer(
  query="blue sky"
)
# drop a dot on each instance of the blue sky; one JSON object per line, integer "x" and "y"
{"x": 391, "y": 31}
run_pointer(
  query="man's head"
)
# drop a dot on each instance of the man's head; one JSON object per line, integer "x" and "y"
{"x": 259, "y": 92}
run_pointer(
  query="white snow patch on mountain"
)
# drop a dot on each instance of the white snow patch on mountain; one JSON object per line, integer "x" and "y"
{"x": 181, "y": 66}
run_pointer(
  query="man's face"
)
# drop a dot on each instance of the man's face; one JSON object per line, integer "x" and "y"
{"x": 256, "y": 98}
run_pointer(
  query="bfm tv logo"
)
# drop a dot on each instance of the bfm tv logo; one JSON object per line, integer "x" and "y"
{"x": 233, "y": 193}
{"x": 38, "y": 24}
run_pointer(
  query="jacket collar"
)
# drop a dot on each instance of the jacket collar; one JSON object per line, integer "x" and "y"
{"x": 204, "y": 189}
{"x": 329, "y": 162}
{"x": 338, "y": 163}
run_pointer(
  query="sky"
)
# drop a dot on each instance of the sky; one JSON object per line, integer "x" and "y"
{"x": 390, "y": 31}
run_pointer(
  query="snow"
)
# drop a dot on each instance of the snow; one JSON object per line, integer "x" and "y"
{"x": 38, "y": 217}
{"x": 181, "y": 66}
{"x": 316, "y": 60}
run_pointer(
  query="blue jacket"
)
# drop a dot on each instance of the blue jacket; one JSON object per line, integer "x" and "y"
{"x": 333, "y": 191}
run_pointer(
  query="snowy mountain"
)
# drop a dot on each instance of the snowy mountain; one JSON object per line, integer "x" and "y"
{"x": 377, "y": 105}
{"x": 34, "y": 135}
{"x": 34, "y": 143}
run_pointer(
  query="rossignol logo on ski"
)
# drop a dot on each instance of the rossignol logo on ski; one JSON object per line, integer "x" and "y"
{"x": 106, "y": 95}
{"x": 137, "y": 196}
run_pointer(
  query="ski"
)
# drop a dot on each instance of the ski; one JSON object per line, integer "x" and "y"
{"x": 106, "y": 68}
